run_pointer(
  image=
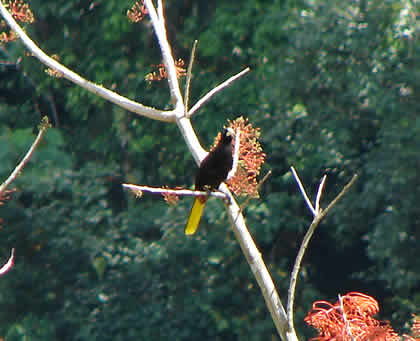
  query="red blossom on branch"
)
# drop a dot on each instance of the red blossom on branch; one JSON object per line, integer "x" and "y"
{"x": 349, "y": 319}
{"x": 52, "y": 72}
{"x": 170, "y": 198}
{"x": 163, "y": 74}
{"x": 6, "y": 37}
{"x": 415, "y": 330}
{"x": 21, "y": 12}
{"x": 137, "y": 12}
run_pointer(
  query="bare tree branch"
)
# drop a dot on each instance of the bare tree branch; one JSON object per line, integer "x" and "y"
{"x": 6, "y": 267}
{"x": 179, "y": 192}
{"x": 217, "y": 89}
{"x": 168, "y": 60}
{"x": 319, "y": 194}
{"x": 264, "y": 280}
{"x": 160, "y": 11}
{"x": 302, "y": 190}
{"x": 181, "y": 120}
{"x": 43, "y": 128}
{"x": 189, "y": 75}
{"x": 296, "y": 268}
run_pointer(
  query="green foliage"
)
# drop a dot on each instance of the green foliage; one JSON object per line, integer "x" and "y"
{"x": 31, "y": 329}
{"x": 333, "y": 88}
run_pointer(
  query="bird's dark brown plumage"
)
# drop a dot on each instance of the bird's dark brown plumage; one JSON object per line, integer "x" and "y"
{"x": 216, "y": 165}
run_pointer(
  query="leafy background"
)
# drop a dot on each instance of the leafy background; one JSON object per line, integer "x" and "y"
{"x": 334, "y": 88}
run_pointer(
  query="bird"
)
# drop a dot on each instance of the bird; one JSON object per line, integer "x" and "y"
{"x": 213, "y": 170}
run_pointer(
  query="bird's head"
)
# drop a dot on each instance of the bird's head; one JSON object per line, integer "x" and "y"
{"x": 227, "y": 135}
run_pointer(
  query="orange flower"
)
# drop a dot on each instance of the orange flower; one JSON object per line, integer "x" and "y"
{"x": 349, "y": 319}
{"x": 163, "y": 74}
{"x": 137, "y": 12}
{"x": 21, "y": 11}
{"x": 415, "y": 330}
{"x": 171, "y": 198}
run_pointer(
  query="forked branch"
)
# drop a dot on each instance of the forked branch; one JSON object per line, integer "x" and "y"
{"x": 319, "y": 214}
{"x": 12, "y": 177}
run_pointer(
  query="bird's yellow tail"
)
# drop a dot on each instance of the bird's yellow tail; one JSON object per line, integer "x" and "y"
{"x": 195, "y": 216}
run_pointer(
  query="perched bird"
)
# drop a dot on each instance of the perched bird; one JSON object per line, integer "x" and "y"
{"x": 212, "y": 172}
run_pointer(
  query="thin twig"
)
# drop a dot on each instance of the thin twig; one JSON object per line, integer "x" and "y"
{"x": 340, "y": 195}
{"x": 319, "y": 194}
{"x": 42, "y": 129}
{"x": 302, "y": 189}
{"x": 189, "y": 75}
{"x": 6, "y": 267}
{"x": 138, "y": 190}
{"x": 304, "y": 245}
{"x": 217, "y": 89}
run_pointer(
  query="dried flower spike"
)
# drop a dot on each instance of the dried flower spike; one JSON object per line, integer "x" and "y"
{"x": 415, "y": 330}
{"x": 52, "y": 72}
{"x": 171, "y": 198}
{"x": 6, "y": 37}
{"x": 21, "y": 11}
{"x": 163, "y": 74}
{"x": 137, "y": 12}
{"x": 349, "y": 319}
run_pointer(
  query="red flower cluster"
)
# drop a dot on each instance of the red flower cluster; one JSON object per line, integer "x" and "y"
{"x": 163, "y": 74}
{"x": 349, "y": 319}
{"x": 52, "y": 72}
{"x": 137, "y": 12}
{"x": 171, "y": 198}
{"x": 415, "y": 330}
{"x": 21, "y": 12}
